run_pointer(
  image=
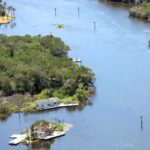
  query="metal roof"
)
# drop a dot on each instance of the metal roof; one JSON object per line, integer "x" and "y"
{"x": 49, "y": 100}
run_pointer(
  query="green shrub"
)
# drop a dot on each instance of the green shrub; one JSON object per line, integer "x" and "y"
{"x": 58, "y": 127}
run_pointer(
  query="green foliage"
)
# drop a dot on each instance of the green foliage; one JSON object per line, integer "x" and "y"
{"x": 6, "y": 109}
{"x": 32, "y": 138}
{"x": 38, "y": 122}
{"x": 46, "y": 93}
{"x": 58, "y": 127}
{"x": 70, "y": 99}
{"x": 39, "y": 65}
{"x": 58, "y": 94}
{"x": 28, "y": 107}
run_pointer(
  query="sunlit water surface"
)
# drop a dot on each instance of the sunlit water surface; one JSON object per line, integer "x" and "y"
{"x": 117, "y": 52}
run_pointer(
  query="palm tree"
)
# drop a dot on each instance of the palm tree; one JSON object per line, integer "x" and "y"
{"x": 5, "y": 4}
{"x": 9, "y": 8}
{"x": 13, "y": 10}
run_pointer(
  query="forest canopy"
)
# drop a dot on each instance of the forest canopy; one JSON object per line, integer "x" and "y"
{"x": 32, "y": 64}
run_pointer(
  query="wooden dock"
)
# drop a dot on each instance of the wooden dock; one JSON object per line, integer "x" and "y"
{"x": 59, "y": 106}
{"x": 52, "y": 136}
{"x": 17, "y": 138}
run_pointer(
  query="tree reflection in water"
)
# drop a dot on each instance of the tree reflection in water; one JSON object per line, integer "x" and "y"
{"x": 44, "y": 145}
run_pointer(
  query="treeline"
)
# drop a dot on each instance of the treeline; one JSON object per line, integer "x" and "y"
{"x": 40, "y": 63}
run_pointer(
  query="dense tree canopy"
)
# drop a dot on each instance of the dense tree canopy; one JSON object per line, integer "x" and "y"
{"x": 32, "y": 64}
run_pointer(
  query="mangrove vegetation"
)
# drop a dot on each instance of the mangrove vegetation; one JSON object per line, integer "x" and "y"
{"x": 38, "y": 67}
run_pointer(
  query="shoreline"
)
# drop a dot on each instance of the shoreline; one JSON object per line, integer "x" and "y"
{"x": 136, "y": 11}
{"x": 29, "y": 104}
{"x": 6, "y": 19}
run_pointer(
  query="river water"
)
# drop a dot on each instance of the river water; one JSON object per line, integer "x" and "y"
{"x": 117, "y": 52}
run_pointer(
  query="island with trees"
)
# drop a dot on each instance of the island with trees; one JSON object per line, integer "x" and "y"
{"x": 38, "y": 67}
{"x": 42, "y": 130}
{"x": 6, "y": 13}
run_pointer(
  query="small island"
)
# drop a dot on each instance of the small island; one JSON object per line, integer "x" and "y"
{"x": 34, "y": 68}
{"x": 41, "y": 130}
{"x": 6, "y": 13}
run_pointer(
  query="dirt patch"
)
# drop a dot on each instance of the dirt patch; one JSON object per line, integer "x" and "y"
{"x": 16, "y": 99}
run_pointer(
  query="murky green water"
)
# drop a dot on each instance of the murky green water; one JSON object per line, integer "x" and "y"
{"x": 117, "y": 52}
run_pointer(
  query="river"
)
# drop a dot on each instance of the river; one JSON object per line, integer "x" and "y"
{"x": 117, "y": 52}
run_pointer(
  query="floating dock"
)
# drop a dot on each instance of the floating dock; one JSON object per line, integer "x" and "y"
{"x": 17, "y": 138}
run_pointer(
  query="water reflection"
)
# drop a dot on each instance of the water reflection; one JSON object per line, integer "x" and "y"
{"x": 141, "y": 119}
{"x": 44, "y": 145}
{"x": 4, "y": 119}
{"x": 78, "y": 12}
{"x": 55, "y": 12}
{"x": 12, "y": 24}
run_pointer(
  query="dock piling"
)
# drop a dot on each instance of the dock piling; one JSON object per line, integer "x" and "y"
{"x": 55, "y": 12}
{"x": 78, "y": 12}
{"x": 141, "y": 118}
{"x": 94, "y": 25}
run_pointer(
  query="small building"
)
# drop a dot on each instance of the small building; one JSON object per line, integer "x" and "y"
{"x": 47, "y": 103}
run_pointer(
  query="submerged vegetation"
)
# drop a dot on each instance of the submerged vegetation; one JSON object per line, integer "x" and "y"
{"x": 39, "y": 67}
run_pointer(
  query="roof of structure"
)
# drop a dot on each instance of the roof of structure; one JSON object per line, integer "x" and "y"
{"x": 49, "y": 100}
